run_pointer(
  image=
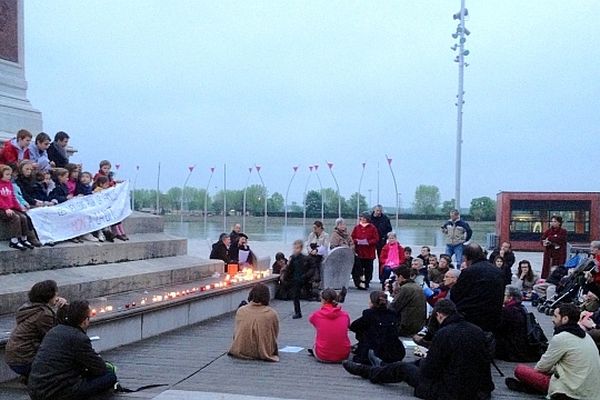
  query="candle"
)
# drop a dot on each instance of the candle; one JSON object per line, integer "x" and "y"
{"x": 93, "y": 312}
{"x": 102, "y": 310}
{"x": 143, "y": 302}
{"x": 109, "y": 308}
{"x": 133, "y": 304}
{"x": 126, "y": 306}
{"x": 207, "y": 287}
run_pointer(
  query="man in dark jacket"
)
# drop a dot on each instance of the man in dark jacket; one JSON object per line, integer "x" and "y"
{"x": 66, "y": 366}
{"x": 220, "y": 249}
{"x": 383, "y": 225}
{"x": 479, "y": 292}
{"x": 57, "y": 152}
{"x": 457, "y": 366}
{"x": 409, "y": 303}
{"x": 504, "y": 251}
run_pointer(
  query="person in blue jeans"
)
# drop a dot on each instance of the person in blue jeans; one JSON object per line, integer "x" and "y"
{"x": 457, "y": 233}
{"x": 73, "y": 371}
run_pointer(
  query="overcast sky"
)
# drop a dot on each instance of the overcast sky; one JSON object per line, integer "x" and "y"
{"x": 283, "y": 83}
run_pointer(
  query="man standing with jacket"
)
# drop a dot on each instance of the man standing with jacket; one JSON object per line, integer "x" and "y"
{"x": 66, "y": 365}
{"x": 569, "y": 369}
{"x": 457, "y": 365}
{"x": 457, "y": 233}
{"x": 383, "y": 225}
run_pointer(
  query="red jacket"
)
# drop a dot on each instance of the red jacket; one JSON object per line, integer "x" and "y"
{"x": 383, "y": 259}
{"x": 9, "y": 155}
{"x": 7, "y": 197}
{"x": 331, "y": 343}
{"x": 368, "y": 232}
{"x": 111, "y": 182}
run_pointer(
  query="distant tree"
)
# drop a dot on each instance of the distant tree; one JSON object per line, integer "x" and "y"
{"x": 313, "y": 203}
{"x": 173, "y": 198}
{"x": 255, "y": 199}
{"x": 483, "y": 208}
{"x": 234, "y": 201}
{"x": 448, "y": 206}
{"x": 331, "y": 202}
{"x": 295, "y": 207}
{"x": 351, "y": 203}
{"x": 276, "y": 202}
{"x": 427, "y": 199}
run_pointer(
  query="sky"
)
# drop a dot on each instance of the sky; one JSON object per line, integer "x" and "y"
{"x": 286, "y": 83}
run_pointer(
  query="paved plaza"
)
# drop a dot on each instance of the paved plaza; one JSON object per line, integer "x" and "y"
{"x": 193, "y": 363}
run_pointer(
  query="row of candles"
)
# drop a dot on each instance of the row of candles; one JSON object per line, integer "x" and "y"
{"x": 246, "y": 275}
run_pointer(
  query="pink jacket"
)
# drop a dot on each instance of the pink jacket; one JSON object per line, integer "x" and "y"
{"x": 7, "y": 197}
{"x": 332, "y": 343}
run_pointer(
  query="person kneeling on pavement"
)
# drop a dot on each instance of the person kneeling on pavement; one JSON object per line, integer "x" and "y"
{"x": 66, "y": 366}
{"x": 457, "y": 365}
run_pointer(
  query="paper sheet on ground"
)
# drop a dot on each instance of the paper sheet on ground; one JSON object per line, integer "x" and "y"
{"x": 291, "y": 349}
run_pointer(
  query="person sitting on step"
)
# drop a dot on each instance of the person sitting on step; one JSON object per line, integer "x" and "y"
{"x": 12, "y": 213}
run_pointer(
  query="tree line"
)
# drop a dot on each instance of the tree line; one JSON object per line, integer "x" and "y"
{"x": 427, "y": 202}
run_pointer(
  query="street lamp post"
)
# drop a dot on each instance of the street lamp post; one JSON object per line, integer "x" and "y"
{"x": 191, "y": 168}
{"x": 244, "y": 202}
{"x": 258, "y": 167}
{"x": 310, "y": 167}
{"x": 330, "y": 165}
{"x": 389, "y": 161}
{"x": 224, "y": 197}
{"x": 212, "y": 171}
{"x": 158, "y": 191}
{"x": 460, "y": 33}
{"x": 285, "y": 207}
{"x": 321, "y": 187}
{"x": 362, "y": 174}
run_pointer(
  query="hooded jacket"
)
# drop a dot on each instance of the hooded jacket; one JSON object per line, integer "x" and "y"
{"x": 11, "y": 153}
{"x": 40, "y": 157}
{"x": 331, "y": 343}
{"x": 8, "y": 199}
{"x": 34, "y": 320}
{"x": 256, "y": 331}
{"x": 572, "y": 359}
{"x": 377, "y": 330}
{"x": 411, "y": 308}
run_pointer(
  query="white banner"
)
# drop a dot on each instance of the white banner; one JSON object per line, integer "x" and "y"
{"x": 81, "y": 215}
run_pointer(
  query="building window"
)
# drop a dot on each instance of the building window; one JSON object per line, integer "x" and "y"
{"x": 528, "y": 219}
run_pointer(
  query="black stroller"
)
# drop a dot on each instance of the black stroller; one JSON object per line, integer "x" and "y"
{"x": 569, "y": 288}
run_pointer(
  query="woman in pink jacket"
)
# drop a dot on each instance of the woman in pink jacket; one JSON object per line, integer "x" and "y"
{"x": 332, "y": 344}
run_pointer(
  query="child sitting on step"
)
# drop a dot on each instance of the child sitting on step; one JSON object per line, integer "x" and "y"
{"x": 12, "y": 214}
{"x": 101, "y": 183}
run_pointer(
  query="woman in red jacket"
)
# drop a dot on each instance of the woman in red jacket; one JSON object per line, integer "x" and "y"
{"x": 332, "y": 344}
{"x": 365, "y": 237}
{"x": 554, "y": 241}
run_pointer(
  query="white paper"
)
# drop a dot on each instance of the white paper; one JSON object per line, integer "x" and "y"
{"x": 291, "y": 349}
{"x": 409, "y": 343}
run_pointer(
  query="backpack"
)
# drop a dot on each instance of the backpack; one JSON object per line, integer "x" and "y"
{"x": 536, "y": 338}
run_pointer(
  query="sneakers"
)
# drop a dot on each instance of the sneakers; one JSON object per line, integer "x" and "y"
{"x": 17, "y": 245}
{"x": 101, "y": 237}
{"x": 357, "y": 369}
{"x": 27, "y": 244}
{"x": 90, "y": 238}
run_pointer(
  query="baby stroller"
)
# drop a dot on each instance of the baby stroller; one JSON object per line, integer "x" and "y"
{"x": 570, "y": 286}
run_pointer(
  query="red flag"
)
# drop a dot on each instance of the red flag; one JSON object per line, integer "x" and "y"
{"x": 330, "y": 164}
{"x": 295, "y": 167}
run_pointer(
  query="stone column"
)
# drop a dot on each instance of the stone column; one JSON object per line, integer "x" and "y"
{"x": 16, "y": 111}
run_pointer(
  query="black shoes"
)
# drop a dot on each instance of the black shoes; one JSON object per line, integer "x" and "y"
{"x": 343, "y": 294}
{"x": 311, "y": 352}
{"x": 297, "y": 316}
{"x": 357, "y": 369}
{"x": 27, "y": 244}
{"x": 18, "y": 246}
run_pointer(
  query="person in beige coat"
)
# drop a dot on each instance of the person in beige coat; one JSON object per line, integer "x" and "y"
{"x": 256, "y": 328}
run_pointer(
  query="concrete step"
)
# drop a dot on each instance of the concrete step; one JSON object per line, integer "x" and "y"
{"x": 68, "y": 254}
{"x": 107, "y": 279}
{"x": 137, "y": 222}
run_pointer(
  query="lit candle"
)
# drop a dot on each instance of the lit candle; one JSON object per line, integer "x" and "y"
{"x": 102, "y": 310}
{"x": 109, "y": 308}
{"x": 133, "y": 304}
{"x": 143, "y": 302}
{"x": 207, "y": 287}
{"x": 93, "y": 312}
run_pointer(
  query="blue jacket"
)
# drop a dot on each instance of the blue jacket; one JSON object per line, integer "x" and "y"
{"x": 457, "y": 232}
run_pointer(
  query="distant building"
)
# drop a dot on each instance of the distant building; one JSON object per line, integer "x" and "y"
{"x": 521, "y": 217}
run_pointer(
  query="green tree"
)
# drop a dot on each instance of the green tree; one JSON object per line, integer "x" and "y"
{"x": 427, "y": 199}
{"x": 313, "y": 203}
{"x": 234, "y": 201}
{"x": 448, "y": 206}
{"x": 351, "y": 203}
{"x": 331, "y": 202}
{"x": 276, "y": 202}
{"x": 255, "y": 199}
{"x": 483, "y": 208}
{"x": 173, "y": 199}
{"x": 295, "y": 207}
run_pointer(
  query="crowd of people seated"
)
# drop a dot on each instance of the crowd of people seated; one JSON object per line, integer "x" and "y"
{"x": 37, "y": 173}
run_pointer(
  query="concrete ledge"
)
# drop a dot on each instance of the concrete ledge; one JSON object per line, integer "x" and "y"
{"x": 102, "y": 280}
{"x": 69, "y": 254}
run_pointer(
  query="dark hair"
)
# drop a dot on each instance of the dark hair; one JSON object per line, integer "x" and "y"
{"x": 455, "y": 212}
{"x": 85, "y": 173}
{"x": 558, "y": 219}
{"x": 318, "y": 224}
{"x": 445, "y": 307}
{"x": 42, "y": 137}
{"x": 426, "y": 247}
{"x": 404, "y": 272}
{"x": 379, "y": 299}
{"x": 43, "y": 292}
{"x": 105, "y": 162}
{"x": 366, "y": 216}
{"x": 408, "y": 250}
{"x": 60, "y": 136}
{"x": 330, "y": 296}
{"x": 260, "y": 294}
{"x": 71, "y": 167}
{"x": 57, "y": 172}
{"x": 222, "y": 236}
{"x": 569, "y": 310}
{"x": 448, "y": 259}
{"x": 529, "y": 276}
{"x": 101, "y": 180}
{"x": 76, "y": 312}
{"x": 279, "y": 256}
{"x": 473, "y": 252}
{"x": 499, "y": 258}
{"x": 23, "y": 134}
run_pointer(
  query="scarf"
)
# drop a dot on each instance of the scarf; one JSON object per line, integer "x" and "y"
{"x": 572, "y": 328}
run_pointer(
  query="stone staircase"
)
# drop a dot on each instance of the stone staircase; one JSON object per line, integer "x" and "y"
{"x": 120, "y": 274}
